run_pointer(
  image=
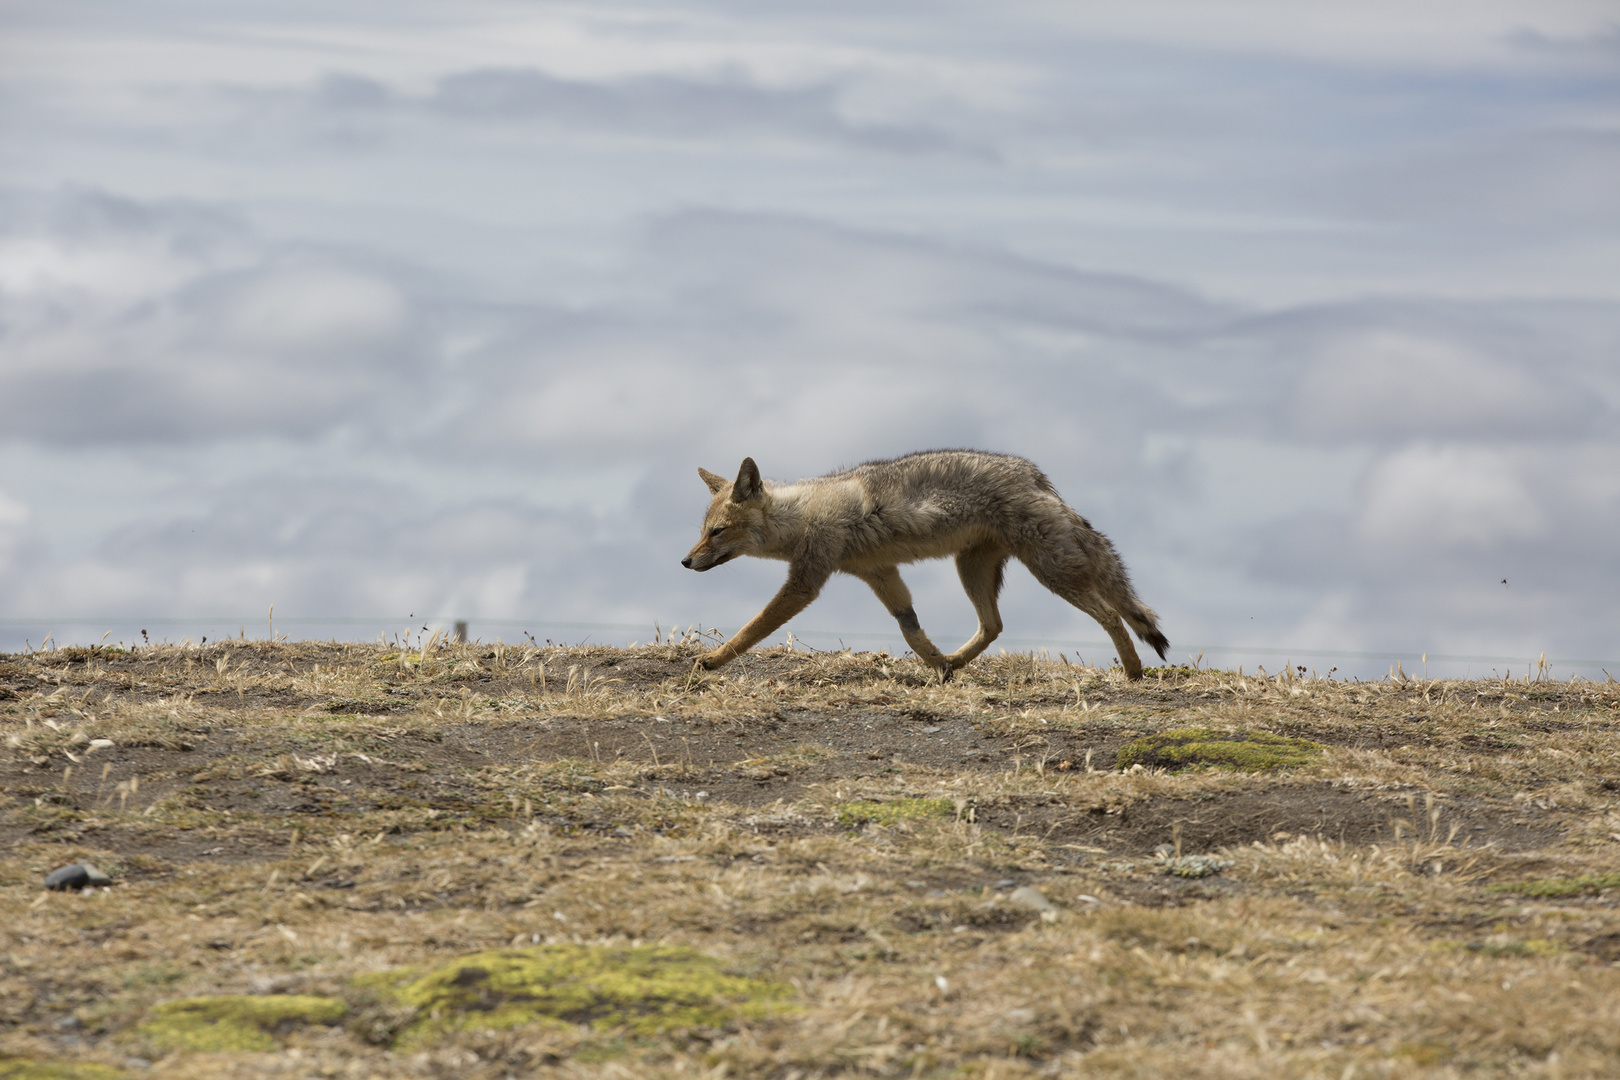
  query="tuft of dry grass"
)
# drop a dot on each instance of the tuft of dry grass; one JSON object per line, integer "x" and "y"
{"x": 1429, "y": 894}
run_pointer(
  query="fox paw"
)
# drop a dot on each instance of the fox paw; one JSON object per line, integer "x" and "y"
{"x": 946, "y": 671}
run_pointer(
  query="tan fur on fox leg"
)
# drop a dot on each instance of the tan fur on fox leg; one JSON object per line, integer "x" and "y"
{"x": 1122, "y": 643}
{"x": 795, "y": 595}
{"x": 980, "y": 569}
{"x": 892, "y": 592}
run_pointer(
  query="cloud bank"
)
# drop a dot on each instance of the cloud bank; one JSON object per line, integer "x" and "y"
{"x": 424, "y": 322}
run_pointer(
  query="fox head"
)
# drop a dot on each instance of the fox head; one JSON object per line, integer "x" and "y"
{"x": 736, "y": 516}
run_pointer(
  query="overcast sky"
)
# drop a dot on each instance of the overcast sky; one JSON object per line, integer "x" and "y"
{"x": 412, "y": 312}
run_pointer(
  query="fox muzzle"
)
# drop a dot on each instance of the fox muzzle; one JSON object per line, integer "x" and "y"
{"x": 707, "y": 560}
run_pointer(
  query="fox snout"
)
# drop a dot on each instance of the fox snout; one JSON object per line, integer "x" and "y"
{"x": 706, "y": 557}
{"x": 700, "y": 558}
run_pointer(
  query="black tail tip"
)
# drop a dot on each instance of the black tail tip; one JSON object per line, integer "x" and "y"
{"x": 1159, "y": 642}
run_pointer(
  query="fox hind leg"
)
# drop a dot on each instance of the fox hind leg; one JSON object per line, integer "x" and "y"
{"x": 982, "y": 569}
{"x": 1077, "y": 586}
{"x": 1122, "y": 642}
{"x": 894, "y": 595}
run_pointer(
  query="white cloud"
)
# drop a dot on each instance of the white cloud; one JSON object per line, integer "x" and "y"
{"x": 1385, "y": 380}
{"x": 1449, "y": 496}
{"x": 305, "y": 309}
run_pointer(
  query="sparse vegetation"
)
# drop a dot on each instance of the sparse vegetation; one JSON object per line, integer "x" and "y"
{"x": 230, "y": 1022}
{"x": 635, "y": 990}
{"x": 475, "y": 861}
{"x": 1561, "y": 887}
{"x": 1247, "y": 751}
{"x": 887, "y": 813}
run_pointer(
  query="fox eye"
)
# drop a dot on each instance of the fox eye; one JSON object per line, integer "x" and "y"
{"x": 717, "y": 530}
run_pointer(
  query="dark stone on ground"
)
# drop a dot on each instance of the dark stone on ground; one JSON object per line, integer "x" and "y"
{"x": 75, "y": 876}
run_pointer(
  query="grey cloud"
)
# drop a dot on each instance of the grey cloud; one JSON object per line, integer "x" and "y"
{"x": 663, "y": 107}
{"x": 14, "y": 530}
{"x": 784, "y": 262}
{"x": 788, "y": 333}
{"x": 1435, "y": 529}
{"x": 810, "y": 346}
{"x": 1377, "y": 371}
{"x": 127, "y": 323}
{"x": 1558, "y": 177}
{"x": 674, "y": 107}
{"x": 344, "y": 545}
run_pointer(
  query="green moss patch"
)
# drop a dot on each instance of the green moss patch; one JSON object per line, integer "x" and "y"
{"x": 643, "y": 989}
{"x": 1245, "y": 751}
{"x": 887, "y": 813}
{"x": 17, "y": 1069}
{"x": 1585, "y": 885}
{"x": 235, "y": 1022}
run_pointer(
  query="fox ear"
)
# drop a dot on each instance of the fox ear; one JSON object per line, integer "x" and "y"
{"x": 748, "y": 483}
{"x": 714, "y": 480}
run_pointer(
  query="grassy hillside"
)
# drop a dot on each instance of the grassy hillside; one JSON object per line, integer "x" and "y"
{"x": 472, "y": 861}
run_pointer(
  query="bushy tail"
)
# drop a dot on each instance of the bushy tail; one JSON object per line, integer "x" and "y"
{"x": 1116, "y": 582}
{"x": 1140, "y": 618}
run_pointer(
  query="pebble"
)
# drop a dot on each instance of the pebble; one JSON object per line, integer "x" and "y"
{"x": 1195, "y": 866}
{"x": 75, "y": 876}
{"x": 1028, "y": 896}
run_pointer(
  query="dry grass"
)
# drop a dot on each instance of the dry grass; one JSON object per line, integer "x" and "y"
{"x": 1433, "y": 895}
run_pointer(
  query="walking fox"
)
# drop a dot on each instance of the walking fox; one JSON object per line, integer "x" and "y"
{"x": 981, "y": 508}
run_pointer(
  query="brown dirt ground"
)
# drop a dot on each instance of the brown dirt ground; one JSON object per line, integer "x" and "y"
{"x": 262, "y": 767}
{"x": 870, "y": 739}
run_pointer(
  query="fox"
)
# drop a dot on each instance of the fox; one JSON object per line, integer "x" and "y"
{"x": 980, "y": 508}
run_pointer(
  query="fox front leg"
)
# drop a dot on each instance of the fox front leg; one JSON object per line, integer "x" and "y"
{"x": 891, "y": 590}
{"x": 802, "y": 586}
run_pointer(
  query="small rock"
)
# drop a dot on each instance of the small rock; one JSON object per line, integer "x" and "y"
{"x": 1164, "y": 851}
{"x": 1028, "y": 896}
{"x": 101, "y": 744}
{"x": 1195, "y": 866}
{"x": 71, "y": 876}
{"x": 1005, "y": 883}
{"x": 75, "y": 876}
